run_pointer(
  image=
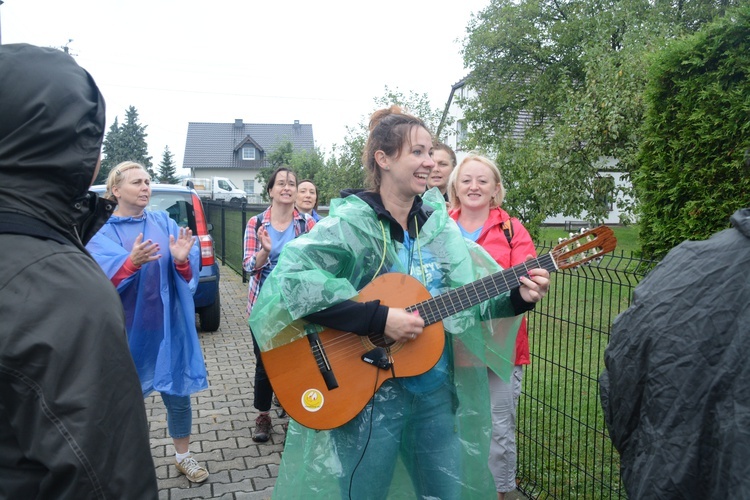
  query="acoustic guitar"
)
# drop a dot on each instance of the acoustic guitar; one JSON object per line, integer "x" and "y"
{"x": 325, "y": 379}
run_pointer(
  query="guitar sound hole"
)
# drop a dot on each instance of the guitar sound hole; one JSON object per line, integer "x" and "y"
{"x": 380, "y": 340}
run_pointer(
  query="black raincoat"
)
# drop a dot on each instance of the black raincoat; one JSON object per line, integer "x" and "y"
{"x": 676, "y": 390}
{"x": 72, "y": 418}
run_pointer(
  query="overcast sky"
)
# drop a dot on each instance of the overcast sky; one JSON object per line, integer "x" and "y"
{"x": 184, "y": 61}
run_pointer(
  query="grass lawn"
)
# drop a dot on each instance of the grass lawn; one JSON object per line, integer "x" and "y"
{"x": 627, "y": 237}
{"x": 564, "y": 448}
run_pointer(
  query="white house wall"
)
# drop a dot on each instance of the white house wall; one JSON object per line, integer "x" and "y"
{"x": 614, "y": 215}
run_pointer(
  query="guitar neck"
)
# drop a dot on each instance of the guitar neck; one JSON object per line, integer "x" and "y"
{"x": 458, "y": 299}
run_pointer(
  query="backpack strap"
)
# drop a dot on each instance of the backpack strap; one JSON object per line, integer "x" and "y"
{"x": 301, "y": 223}
{"x": 508, "y": 230}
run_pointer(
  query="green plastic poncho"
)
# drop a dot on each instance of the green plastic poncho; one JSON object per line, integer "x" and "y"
{"x": 329, "y": 265}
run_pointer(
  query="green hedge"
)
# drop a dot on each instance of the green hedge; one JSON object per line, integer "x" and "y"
{"x": 693, "y": 170}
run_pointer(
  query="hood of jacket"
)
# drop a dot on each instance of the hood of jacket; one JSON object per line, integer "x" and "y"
{"x": 51, "y": 134}
{"x": 741, "y": 221}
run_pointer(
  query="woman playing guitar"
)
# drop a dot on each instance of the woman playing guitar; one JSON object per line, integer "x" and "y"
{"x": 421, "y": 432}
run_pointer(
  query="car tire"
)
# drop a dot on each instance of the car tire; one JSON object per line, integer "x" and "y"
{"x": 210, "y": 316}
{"x": 236, "y": 201}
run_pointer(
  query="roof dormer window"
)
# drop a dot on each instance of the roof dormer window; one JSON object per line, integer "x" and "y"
{"x": 248, "y": 153}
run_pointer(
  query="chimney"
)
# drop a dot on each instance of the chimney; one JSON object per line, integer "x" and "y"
{"x": 296, "y": 125}
{"x": 238, "y": 123}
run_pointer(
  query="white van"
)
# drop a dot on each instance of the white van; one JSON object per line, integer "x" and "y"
{"x": 216, "y": 188}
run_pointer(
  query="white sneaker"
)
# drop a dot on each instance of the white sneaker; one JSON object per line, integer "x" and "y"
{"x": 192, "y": 470}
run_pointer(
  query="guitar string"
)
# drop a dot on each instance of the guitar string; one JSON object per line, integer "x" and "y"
{"x": 351, "y": 345}
{"x": 432, "y": 312}
{"x": 347, "y": 350}
{"x": 345, "y": 346}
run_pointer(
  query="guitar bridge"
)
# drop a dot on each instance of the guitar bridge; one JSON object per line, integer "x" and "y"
{"x": 322, "y": 361}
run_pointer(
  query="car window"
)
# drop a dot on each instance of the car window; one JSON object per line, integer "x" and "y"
{"x": 178, "y": 205}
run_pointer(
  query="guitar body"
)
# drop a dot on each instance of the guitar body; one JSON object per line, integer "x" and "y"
{"x": 295, "y": 369}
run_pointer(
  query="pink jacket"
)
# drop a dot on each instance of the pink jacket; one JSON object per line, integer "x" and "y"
{"x": 493, "y": 240}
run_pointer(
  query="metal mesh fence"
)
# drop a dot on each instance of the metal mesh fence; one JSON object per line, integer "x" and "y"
{"x": 228, "y": 230}
{"x": 564, "y": 449}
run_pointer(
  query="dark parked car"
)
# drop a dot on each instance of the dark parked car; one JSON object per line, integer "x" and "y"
{"x": 184, "y": 206}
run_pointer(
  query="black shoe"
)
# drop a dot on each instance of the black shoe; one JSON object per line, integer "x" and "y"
{"x": 262, "y": 429}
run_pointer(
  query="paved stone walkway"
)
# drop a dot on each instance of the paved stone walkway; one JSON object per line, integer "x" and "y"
{"x": 223, "y": 416}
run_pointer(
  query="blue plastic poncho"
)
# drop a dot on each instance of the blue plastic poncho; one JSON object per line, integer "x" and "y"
{"x": 158, "y": 304}
{"x": 330, "y": 264}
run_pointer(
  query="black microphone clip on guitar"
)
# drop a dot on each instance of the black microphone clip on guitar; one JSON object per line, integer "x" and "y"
{"x": 377, "y": 357}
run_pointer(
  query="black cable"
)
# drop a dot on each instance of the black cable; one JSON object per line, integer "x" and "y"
{"x": 369, "y": 434}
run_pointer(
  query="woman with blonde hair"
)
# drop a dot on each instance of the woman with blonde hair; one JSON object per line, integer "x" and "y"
{"x": 476, "y": 194}
{"x": 153, "y": 263}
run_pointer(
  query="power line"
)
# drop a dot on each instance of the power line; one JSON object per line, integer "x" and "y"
{"x": 229, "y": 94}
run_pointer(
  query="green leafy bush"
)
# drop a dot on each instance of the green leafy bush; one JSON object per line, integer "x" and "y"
{"x": 694, "y": 157}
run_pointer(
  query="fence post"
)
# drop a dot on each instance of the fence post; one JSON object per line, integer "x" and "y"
{"x": 242, "y": 241}
{"x": 223, "y": 233}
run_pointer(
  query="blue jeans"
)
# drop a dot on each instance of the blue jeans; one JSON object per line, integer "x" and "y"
{"x": 420, "y": 428}
{"x": 179, "y": 415}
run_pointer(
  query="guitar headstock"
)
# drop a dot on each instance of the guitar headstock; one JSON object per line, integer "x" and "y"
{"x": 584, "y": 247}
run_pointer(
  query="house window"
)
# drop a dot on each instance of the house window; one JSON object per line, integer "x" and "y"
{"x": 461, "y": 133}
{"x": 249, "y": 186}
{"x": 604, "y": 191}
{"x": 248, "y": 153}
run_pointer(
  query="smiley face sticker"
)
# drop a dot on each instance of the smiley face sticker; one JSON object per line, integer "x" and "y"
{"x": 312, "y": 400}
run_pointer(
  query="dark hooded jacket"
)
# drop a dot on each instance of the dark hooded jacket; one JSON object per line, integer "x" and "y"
{"x": 676, "y": 390}
{"x": 72, "y": 418}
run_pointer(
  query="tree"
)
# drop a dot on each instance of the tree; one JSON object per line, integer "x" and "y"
{"x": 112, "y": 151}
{"x": 344, "y": 169}
{"x": 167, "y": 168}
{"x": 306, "y": 164}
{"x": 123, "y": 143}
{"x": 281, "y": 156}
{"x": 570, "y": 77}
